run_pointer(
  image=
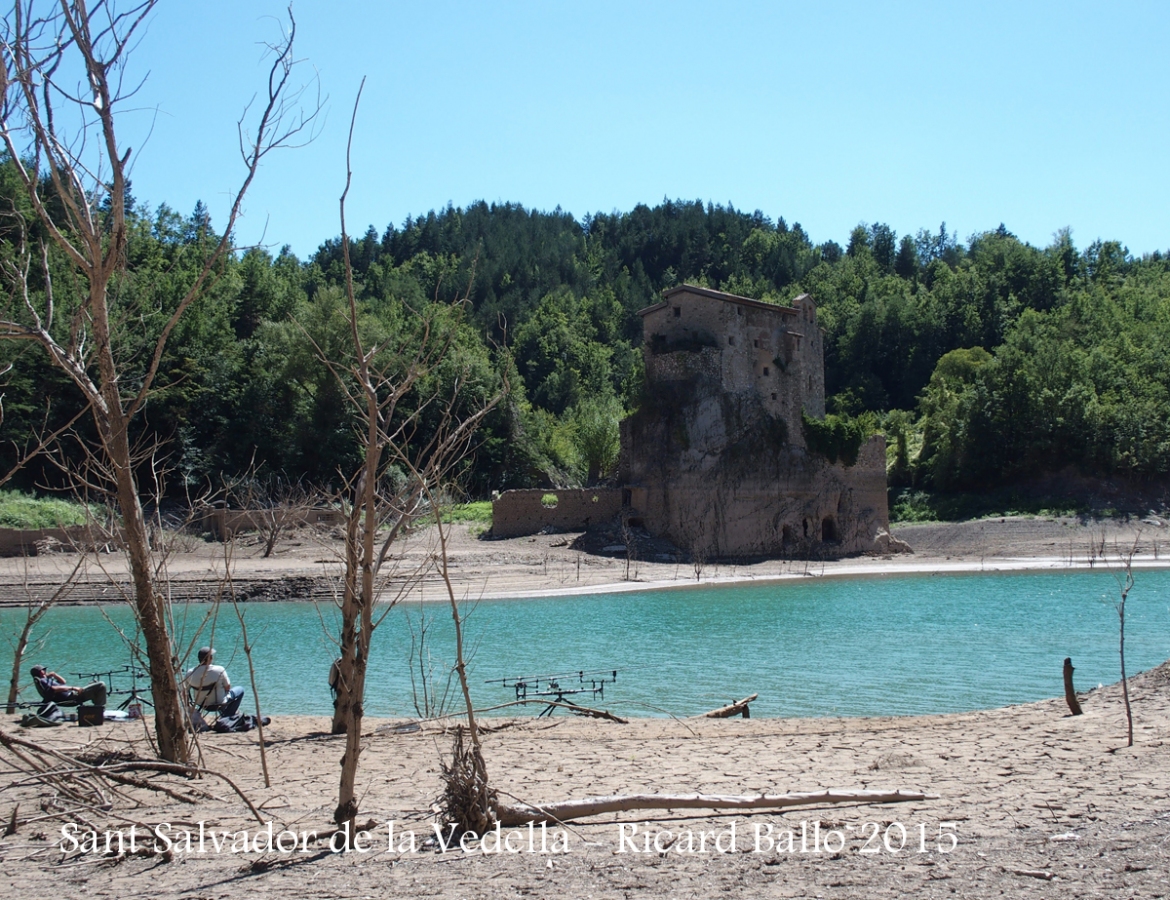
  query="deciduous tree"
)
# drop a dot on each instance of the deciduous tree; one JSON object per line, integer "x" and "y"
{"x": 62, "y": 87}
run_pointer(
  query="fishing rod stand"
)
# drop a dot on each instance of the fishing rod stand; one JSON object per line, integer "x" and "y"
{"x": 557, "y": 686}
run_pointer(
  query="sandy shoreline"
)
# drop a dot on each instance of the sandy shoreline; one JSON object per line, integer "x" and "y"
{"x": 890, "y": 567}
{"x": 1039, "y": 803}
{"x": 308, "y": 565}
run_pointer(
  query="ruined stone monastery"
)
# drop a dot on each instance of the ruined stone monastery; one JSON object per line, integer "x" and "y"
{"x": 715, "y": 459}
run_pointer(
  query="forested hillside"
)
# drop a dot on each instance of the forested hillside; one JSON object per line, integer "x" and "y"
{"x": 986, "y": 361}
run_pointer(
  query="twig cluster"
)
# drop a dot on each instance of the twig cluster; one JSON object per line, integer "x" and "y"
{"x": 95, "y": 789}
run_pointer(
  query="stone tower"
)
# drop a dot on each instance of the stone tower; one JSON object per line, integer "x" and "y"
{"x": 716, "y": 458}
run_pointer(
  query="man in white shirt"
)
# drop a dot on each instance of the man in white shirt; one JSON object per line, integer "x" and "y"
{"x": 213, "y": 689}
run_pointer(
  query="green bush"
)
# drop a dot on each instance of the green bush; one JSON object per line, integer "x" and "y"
{"x": 912, "y": 506}
{"x": 836, "y": 437}
{"x": 477, "y": 513}
{"x": 23, "y": 511}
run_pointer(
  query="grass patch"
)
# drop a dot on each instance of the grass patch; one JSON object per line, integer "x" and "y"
{"x": 19, "y": 510}
{"x": 477, "y": 513}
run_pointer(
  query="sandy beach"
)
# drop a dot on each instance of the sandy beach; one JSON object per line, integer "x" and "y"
{"x": 1030, "y": 801}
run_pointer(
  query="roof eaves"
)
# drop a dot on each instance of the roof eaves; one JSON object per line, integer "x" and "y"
{"x": 722, "y": 296}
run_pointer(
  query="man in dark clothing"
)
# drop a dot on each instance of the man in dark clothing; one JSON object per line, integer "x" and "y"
{"x": 52, "y": 686}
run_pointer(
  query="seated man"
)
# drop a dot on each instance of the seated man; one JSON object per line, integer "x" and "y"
{"x": 213, "y": 689}
{"x": 52, "y": 686}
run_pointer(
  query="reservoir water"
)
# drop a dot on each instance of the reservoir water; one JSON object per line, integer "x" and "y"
{"x": 814, "y": 647}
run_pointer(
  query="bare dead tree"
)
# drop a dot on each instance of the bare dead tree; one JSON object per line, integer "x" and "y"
{"x": 629, "y": 542}
{"x": 1124, "y": 586}
{"x": 34, "y": 611}
{"x": 247, "y": 646}
{"x": 274, "y": 505}
{"x": 469, "y": 802}
{"x": 429, "y": 693}
{"x": 61, "y": 87}
{"x": 414, "y": 429}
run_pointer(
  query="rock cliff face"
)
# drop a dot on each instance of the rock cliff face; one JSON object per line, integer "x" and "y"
{"x": 719, "y": 465}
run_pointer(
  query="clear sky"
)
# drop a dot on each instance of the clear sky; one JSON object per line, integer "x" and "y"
{"x": 1039, "y": 115}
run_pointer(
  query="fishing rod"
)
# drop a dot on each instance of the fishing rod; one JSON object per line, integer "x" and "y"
{"x": 135, "y": 673}
{"x": 612, "y": 673}
{"x": 550, "y": 686}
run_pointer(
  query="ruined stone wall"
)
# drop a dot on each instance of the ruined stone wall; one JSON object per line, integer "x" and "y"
{"x": 775, "y": 352}
{"x": 812, "y": 356}
{"x": 785, "y": 502}
{"x": 31, "y": 541}
{"x": 727, "y": 473}
{"x": 705, "y": 364}
{"x": 515, "y": 513}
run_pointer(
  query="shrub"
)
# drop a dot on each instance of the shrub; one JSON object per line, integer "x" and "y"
{"x": 477, "y": 513}
{"x": 19, "y": 510}
{"x": 836, "y": 437}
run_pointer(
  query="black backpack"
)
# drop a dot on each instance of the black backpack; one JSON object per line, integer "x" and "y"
{"x": 238, "y": 722}
{"x": 47, "y": 715}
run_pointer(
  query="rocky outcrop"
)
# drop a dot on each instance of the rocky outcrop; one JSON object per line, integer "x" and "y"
{"x": 886, "y": 544}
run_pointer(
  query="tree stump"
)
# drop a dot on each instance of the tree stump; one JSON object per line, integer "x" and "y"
{"x": 1070, "y": 695}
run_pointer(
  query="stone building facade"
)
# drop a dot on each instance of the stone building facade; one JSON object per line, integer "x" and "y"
{"x": 716, "y": 458}
{"x": 742, "y": 346}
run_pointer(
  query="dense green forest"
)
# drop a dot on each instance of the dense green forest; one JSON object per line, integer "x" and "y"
{"x": 986, "y": 362}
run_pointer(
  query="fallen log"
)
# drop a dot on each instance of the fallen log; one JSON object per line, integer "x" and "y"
{"x": 514, "y": 815}
{"x": 593, "y": 713}
{"x": 738, "y": 708}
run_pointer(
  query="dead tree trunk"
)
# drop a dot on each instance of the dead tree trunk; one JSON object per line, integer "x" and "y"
{"x": 512, "y": 815}
{"x": 1124, "y": 586}
{"x": 738, "y": 708}
{"x": 1070, "y": 695}
{"x": 63, "y": 148}
{"x": 389, "y": 389}
{"x": 149, "y": 604}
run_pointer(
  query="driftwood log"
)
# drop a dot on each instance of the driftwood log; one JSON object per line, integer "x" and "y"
{"x": 593, "y": 713}
{"x": 738, "y": 708}
{"x": 1070, "y": 695}
{"x": 514, "y": 815}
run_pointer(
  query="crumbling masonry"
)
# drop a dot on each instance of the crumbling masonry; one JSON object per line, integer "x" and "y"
{"x": 715, "y": 459}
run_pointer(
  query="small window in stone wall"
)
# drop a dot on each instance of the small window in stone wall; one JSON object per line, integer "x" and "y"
{"x": 739, "y": 310}
{"x": 730, "y": 341}
{"x": 756, "y": 344}
{"x": 773, "y": 396}
{"x": 678, "y": 312}
{"x": 765, "y": 371}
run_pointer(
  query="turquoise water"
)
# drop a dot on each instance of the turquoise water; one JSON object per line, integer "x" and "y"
{"x": 815, "y": 647}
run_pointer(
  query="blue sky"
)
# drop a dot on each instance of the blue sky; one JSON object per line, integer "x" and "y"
{"x": 1038, "y": 115}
